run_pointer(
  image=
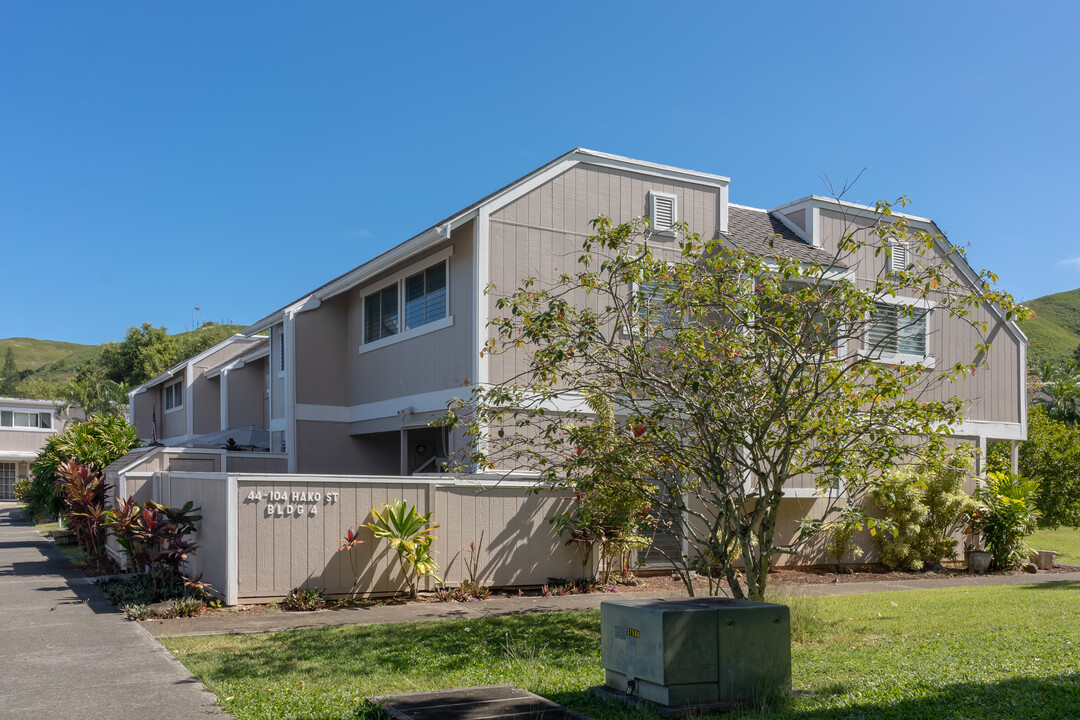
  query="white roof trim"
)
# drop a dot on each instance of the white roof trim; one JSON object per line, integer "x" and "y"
{"x": 13, "y": 403}
{"x": 438, "y": 233}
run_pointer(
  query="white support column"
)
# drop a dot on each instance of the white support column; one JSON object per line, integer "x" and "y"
{"x": 223, "y": 400}
{"x": 232, "y": 589}
{"x": 980, "y": 460}
{"x": 1014, "y": 456}
{"x": 289, "y": 338}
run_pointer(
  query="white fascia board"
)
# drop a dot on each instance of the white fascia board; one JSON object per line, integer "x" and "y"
{"x": 625, "y": 163}
{"x": 17, "y": 403}
{"x": 855, "y": 209}
{"x": 990, "y": 430}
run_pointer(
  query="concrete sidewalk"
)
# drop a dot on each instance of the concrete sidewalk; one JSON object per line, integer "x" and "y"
{"x": 65, "y": 651}
{"x": 273, "y": 622}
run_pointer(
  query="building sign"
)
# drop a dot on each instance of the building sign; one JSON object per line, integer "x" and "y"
{"x": 281, "y": 504}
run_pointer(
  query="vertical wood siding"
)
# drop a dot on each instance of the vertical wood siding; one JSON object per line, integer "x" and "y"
{"x": 279, "y": 552}
{"x": 993, "y": 394}
{"x": 540, "y": 234}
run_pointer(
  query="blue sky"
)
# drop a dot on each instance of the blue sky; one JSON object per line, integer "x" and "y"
{"x": 236, "y": 155}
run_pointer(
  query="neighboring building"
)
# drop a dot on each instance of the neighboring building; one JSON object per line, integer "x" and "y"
{"x": 25, "y": 425}
{"x": 221, "y": 388}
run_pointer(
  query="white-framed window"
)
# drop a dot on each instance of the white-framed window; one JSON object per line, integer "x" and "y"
{"x": 31, "y": 419}
{"x": 174, "y": 396}
{"x": 416, "y": 299}
{"x": 381, "y": 314}
{"x": 899, "y": 330}
{"x": 648, "y": 298}
{"x": 663, "y": 211}
{"x": 425, "y": 296}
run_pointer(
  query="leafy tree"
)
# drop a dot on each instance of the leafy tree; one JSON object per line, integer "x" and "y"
{"x": 611, "y": 499}
{"x": 9, "y": 378}
{"x": 95, "y": 443}
{"x": 191, "y": 344}
{"x": 741, "y": 369}
{"x": 1059, "y": 391}
{"x": 145, "y": 351}
{"x": 1051, "y": 456}
{"x": 95, "y": 394}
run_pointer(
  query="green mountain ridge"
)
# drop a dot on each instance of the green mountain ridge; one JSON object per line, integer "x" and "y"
{"x": 1054, "y": 332}
{"x": 47, "y": 365}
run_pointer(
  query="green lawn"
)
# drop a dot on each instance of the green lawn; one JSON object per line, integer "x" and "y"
{"x": 1065, "y": 540}
{"x": 987, "y": 652}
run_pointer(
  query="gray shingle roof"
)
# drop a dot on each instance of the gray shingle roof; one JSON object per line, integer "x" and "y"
{"x": 752, "y": 230}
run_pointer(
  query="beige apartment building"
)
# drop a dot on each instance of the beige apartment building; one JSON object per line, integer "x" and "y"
{"x": 25, "y": 425}
{"x": 347, "y": 378}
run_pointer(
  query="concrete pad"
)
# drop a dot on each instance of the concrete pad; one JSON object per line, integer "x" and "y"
{"x": 474, "y": 703}
{"x": 65, "y": 651}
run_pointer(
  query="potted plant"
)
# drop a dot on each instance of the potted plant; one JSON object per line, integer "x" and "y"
{"x": 978, "y": 560}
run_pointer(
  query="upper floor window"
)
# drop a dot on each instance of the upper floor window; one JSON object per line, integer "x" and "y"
{"x": 896, "y": 333}
{"x": 421, "y": 297}
{"x": 425, "y": 296}
{"x": 381, "y": 314}
{"x": 26, "y": 419}
{"x": 174, "y": 396}
{"x": 663, "y": 211}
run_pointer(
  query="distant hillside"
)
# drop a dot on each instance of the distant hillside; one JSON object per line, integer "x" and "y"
{"x": 1054, "y": 332}
{"x": 47, "y": 365}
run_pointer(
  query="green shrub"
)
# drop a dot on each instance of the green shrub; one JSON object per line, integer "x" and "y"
{"x": 187, "y": 607}
{"x": 924, "y": 505}
{"x": 23, "y": 488}
{"x": 304, "y": 599}
{"x": 135, "y": 611}
{"x": 95, "y": 442}
{"x": 1051, "y": 456}
{"x": 1006, "y": 514}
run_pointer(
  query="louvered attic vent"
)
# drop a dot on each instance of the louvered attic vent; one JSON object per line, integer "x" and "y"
{"x": 898, "y": 260}
{"x": 663, "y": 211}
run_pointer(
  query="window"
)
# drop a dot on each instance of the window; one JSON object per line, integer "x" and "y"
{"x": 281, "y": 350}
{"x": 25, "y": 419}
{"x": 174, "y": 396}
{"x": 425, "y": 296}
{"x": 663, "y": 211}
{"x": 381, "y": 314}
{"x": 892, "y": 333}
{"x": 650, "y": 306}
{"x": 411, "y": 302}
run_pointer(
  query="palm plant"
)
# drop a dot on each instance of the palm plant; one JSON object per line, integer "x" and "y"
{"x": 410, "y": 536}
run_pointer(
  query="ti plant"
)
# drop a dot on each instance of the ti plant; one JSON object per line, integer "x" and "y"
{"x": 83, "y": 490}
{"x": 351, "y": 540}
{"x": 410, "y": 536}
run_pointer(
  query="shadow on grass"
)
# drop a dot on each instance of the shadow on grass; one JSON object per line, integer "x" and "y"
{"x": 1054, "y": 585}
{"x": 1055, "y": 696}
{"x": 432, "y": 649}
{"x": 1046, "y": 698}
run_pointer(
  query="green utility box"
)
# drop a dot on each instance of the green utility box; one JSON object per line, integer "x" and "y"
{"x": 692, "y": 651}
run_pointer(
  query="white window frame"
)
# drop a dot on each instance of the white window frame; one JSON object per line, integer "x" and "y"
{"x": 667, "y": 230}
{"x": 899, "y": 358}
{"x": 398, "y": 280}
{"x": 179, "y": 393}
{"x": 26, "y": 411}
